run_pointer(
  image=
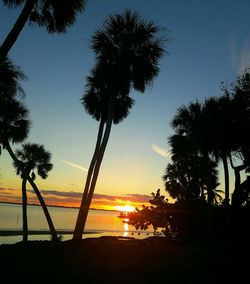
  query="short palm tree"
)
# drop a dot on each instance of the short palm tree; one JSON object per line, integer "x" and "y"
{"x": 190, "y": 173}
{"x": 127, "y": 51}
{"x": 55, "y": 16}
{"x": 14, "y": 128}
{"x": 32, "y": 157}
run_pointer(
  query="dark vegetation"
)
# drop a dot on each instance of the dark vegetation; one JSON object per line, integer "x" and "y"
{"x": 205, "y": 134}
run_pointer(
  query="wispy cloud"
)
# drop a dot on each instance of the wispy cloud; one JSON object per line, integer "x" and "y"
{"x": 240, "y": 53}
{"x": 160, "y": 151}
{"x": 74, "y": 194}
{"x": 74, "y": 165}
{"x": 60, "y": 193}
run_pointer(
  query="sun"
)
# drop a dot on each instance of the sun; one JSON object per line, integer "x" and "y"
{"x": 125, "y": 208}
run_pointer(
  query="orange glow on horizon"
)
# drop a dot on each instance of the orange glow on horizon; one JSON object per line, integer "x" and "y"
{"x": 125, "y": 208}
{"x": 14, "y": 195}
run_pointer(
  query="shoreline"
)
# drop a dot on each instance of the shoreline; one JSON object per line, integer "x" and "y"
{"x": 57, "y": 206}
{"x": 9, "y": 233}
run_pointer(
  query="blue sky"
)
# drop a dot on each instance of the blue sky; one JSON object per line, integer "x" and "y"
{"x": 210, "y": 43}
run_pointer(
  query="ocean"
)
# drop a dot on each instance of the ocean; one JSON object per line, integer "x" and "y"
{"x": 99, "y": 223}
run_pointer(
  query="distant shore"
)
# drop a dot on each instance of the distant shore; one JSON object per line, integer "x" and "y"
{"x": 124, "y": 260}
{"x": 9, "y": 233}
{"x": 57, "y": 206}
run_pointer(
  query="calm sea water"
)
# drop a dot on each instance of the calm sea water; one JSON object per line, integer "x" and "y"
{"x": 102, "y": 222}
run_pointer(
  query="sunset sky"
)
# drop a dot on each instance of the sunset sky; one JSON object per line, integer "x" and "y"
{"x": 210, "y": 43}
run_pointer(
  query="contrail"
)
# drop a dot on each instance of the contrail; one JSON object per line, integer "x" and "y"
{"x": 75, "y": 166}
{"x": 161, "y": 151}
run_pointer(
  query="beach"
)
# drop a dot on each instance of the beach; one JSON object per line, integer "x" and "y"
{"x": 124, "y": 260}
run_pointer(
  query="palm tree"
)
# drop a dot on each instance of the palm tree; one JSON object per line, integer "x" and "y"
{"x": 10, "y": 75}
{"x": 32, "y": 157}
{"x": 190, "y": 173}
{"x": 190, "y": 126}
{"x": 209, "y": 127}
{"x": 14, "y": 128}
{"x": 240, "y": 98}
{"x": 127, "y": 51}
{"x": 55, "y": 16}
{"x": 218, "y": 124}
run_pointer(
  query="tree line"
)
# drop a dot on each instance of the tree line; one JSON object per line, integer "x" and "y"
{"x": 205, "y": 134}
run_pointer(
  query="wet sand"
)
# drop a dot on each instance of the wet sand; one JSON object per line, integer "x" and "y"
{"x": 124, "y": 260}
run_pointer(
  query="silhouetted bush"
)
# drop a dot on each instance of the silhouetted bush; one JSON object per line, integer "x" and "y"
{"x": 191, "y": 220}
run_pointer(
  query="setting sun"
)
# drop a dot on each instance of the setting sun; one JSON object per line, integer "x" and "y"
{"x": 125, "y": 208}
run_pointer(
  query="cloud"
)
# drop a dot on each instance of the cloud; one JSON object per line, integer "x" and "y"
{"x": 160, "y": 151}
{"x": 75, "y": 166}
{"x": 123, "y": 197}
{"x": 240, "y": 53}
{"x": 61, "y": 193}
{"x": 6, "y": 189}
{"x": 137, "y": 197}
{"x": 97, "y": 196}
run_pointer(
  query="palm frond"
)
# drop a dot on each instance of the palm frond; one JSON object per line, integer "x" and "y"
{"x": 14, "y": 120}
{"x": 35, "y": 157}
{"x": 10, "y": 77}
{"x": 58, "y": 15}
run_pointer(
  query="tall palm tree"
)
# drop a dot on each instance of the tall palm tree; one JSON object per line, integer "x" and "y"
{"x": 240, "y": 97}
{"x": 56, "y": 16}
{"x": 208, "y": 126}
{"x": 32, "y": 157}
{"x": 14, "y": 128}
{"x": 218, "y": 124}
{"x": 127, "y": 51}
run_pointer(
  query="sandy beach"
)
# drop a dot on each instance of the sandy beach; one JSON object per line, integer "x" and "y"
{"x": 123, "y": 260}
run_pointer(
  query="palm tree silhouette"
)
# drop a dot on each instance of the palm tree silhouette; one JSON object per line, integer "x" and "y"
{"x": 190, "y": 173}
{"x": 209, "y": 128}
{"x": 31, "y": 157}
{"x": 14, "y": 128}
{"x": 127, "y": 51}
{"x": 10, "y": 75}
{"x": 240, "y": 155}
{"x": 55, "y": 16}
{"x": 192, "y": 136}
{"x": 217, "y": 122}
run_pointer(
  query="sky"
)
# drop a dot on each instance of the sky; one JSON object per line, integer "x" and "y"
{"x": 209, "y": 43}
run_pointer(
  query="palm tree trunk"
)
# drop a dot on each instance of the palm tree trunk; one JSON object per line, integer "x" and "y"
{"x": 79, "y": 222}
{"x": 38, "y": 194}
{"x": 237, "y": 181}
{"x": 17, "y": 28}
{"x": 226, "y": 200}
{"x": 24, "y": 205}
{"x": 54, "y": 236}
{"x": 209, "y": 228}
{"x": 226, "y": 176}
{"x": 96, "y": 172}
